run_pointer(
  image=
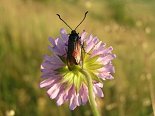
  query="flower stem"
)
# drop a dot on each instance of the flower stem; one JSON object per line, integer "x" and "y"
{"x": 91, "y": 94}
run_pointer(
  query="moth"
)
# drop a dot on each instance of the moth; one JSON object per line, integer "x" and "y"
{"x": 74, "y": 51}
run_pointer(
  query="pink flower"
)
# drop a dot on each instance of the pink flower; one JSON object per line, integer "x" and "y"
{"x": 65, "y": 85}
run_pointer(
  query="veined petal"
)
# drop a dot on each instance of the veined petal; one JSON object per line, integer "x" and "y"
{"x": 55, "y": 50}
{"x": 52, "y": 41}
{"x": 73, "y": 102}
{"x": 49, "y": 75}
{"x": 103, "y": 51}
{"x": 106, "y": 59}
{"x": 91, "y": 44}
{"x": 60, "y": 99}
{"x": 105, "y": 75}
{"x": 64, "y": 35}
{"x": 61, "y": 96}
{"x": 89, "y": 39}
{"x": 98, "y": 48}
{"x": 49, "y": 65}
{"x": 107, "y": 68}
{"x": 46, "y": 82}
{"x": 78, "y": 99}
{"x": 98, "y": 90}
{"x": 71, "y": 91}
{"x": 83, "y": 36}
{"x": 52, "y": 88}
{"x": 53, "y": 59}
{"x": 55, "y": 92}
{"x": 84, "y": 94}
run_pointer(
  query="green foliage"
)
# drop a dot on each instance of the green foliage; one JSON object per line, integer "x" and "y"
{"x": 128, "y": 26}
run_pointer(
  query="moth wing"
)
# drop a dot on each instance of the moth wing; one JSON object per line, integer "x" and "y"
{"x": 77, "y": 51}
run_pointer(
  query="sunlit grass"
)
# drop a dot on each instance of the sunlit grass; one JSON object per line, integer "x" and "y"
{"x": 24, "y": 30}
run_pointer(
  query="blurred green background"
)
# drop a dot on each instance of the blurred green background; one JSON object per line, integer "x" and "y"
{"x": 127, "y": 25}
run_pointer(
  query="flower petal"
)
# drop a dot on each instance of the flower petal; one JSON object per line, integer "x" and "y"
{"x": 78, "y": 99}
{"x": 89, "y": 39}
{"x": 84, "y": 94}
{"x": 52, "y": 41}
{"x": 52, "y": 89}
{"x": 60, "y": 99}
{"x": 53, "y": 59}
{"x": 64, "y": 35}
{"x": 55, "y": 93}
{"x": 73, "y": 102}
{"x": 107, "y": 68}
{"x": 106, "y": 59}
{"x": 83, "y": 36}
{"x": 91, "y": 44}
{"x": 105, "y": 75}
{"x": 48, "y": 82}
{"x": 98, "y": 48}
{"x": 98, "y": 90}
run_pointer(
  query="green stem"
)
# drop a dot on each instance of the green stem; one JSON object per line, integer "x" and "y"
{"x": 91, "y": 94}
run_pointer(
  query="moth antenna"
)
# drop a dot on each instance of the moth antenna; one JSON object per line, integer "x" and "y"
{"x": 82, "y": 20}
{"x": 64, "y": 21}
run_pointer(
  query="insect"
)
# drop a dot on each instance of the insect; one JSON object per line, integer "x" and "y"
{"x": 74, "y": 52}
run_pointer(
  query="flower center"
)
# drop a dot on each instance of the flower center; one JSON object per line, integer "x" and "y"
{"x": 75, "y": 76}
